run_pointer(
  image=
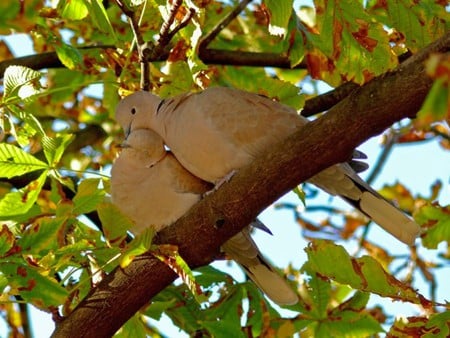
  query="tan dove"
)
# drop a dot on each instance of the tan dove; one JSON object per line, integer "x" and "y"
{"x": 150, "y": 186}
{"x": 219, "y": 130}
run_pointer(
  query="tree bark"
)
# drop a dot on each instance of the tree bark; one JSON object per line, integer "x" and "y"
{"x": 330, "y": 139}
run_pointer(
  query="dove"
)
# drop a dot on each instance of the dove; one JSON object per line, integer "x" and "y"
{"x": 150, "y": 186}
{"x": 215, "y": 132}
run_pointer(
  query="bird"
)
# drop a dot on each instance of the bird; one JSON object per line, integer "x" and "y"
{"x": 215, "y": 132}
{"x": 151, "y": 187}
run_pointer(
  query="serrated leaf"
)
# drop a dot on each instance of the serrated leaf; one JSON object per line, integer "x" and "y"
{"x": 134, "y": 327}
{"x": 279, "y": 14}
{"x": 320, "y": 292}
{"x": 88, "y": 196}
{"x": 54, "y": 147}
{"x": 357, "y": 47}
{"x": 73, "y": 10}
{"x": 168, "y": 254}
{"x": 20, "y": 82}
{"x": 157, "y": 308}
{"x": 436, "y": 220}
{"x": 30, "y": 128}
{"x": 349, "y": 324}
{"x": 100, "y": 17}
{"x": 19, "y": 202}
{"x": 436, "y": 106}
{"x": 114, "y": 223}
{"x": 15, "y": 161}
{"x": 7, "y": 240}
{"x": 363, "y": 273}
{"x": 139, "y": 245}
{"x": 42, "y": 236}
{"x": 68, "y": 55}
{"x": 35, "y": 288}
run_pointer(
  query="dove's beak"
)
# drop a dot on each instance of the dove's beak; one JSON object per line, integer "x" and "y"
{"x": 123, "y": 145}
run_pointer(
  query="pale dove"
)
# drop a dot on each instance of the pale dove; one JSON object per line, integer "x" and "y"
{"x": 150, "y": 186}
{"x": 219, "y": 130}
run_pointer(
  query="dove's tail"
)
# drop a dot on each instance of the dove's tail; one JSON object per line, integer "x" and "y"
{"x": 386, "y": 215}
{"x": 244, "y": 251}
{"x": 342, "y": 181}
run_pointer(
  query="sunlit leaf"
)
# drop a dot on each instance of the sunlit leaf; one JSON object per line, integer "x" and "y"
{"x": 100, "y": 17}
{"x": 17, "y": 203}
{"x": 279, "y": 14}
{"x": 114, "y": 223}
{"x": 15, "y": 161}
{"x": 169, "y": 255}
{"x": 139, "y": 245}
{"x": 54, "y": 147}
{"x": 73, "y": 10}
{"x": 436, "y": 220}
{"x": 363, "y": 273}
{"x": 7, "y": 239}
{"x": 20, "y": 82}
{"x": 69, "y": 56}
{"x": 42, "y": 236}
{"x": 134, "y": 327}
{"x": 40, "y": 290}
{"x": 88, "y": 196}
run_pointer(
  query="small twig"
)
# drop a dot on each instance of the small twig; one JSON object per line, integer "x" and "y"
{"x": 182, "y": 24}
{"x": 129, "y": 13}
{"x": 142, "y": 46}
{"x": 222, "y": 24}
{"x": 165, "y": 28}
{"x": 327, "y": 100}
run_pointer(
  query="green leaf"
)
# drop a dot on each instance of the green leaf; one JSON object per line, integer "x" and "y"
{"x": 100, "y": 17}
{"x": 436, "y": 105}
{"x": 114, "y": 223}
{"x": 40, "y": 290}
{"x": 438, "y": 325}
{"x": 42, "y": 236}
{"x": 419, "y": 23}
{"x": 15, "y": 162}
{"x": 279, "y": 14}
{"x": 20, "y": 83}
{"x": 73, "y": 9}
{"x": 356, "y": 45}
{"x": 363, "y": 273}
{"x": 436, "y": 220}
{"x": 68, "y": 55}
{"x": 229, "y": 312}
{"x": 54, "y": 147}
{"x": 88, "y": 196}
{"x": 320, "y": 292}
{"x": 349, "y": 324}
{"x": 134, "y": 327}
{"x": 157, "y": 308}
{"x": 7, "y": 240}
{"x": 168, "y": 254}
{"x": 139, "y": 245}
{"x": 17, "y": 203}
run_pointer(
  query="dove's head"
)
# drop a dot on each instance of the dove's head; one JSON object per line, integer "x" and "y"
{"x": 144, "y": 146}
{"x": 137, "y": 111}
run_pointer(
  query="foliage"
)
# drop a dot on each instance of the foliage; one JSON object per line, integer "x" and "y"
{"x": 59, "y": 139}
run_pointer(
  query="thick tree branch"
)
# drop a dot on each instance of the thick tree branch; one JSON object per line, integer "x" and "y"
{"x": 367, "y": 112}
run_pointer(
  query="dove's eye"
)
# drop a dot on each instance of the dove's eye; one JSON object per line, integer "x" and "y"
{"x": 133, "y": 111}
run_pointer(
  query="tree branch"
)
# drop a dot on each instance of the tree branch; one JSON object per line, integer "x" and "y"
{"x": 199, "y": 234}
{"x": 223, "y": 23}
{"x": 42, "y": 60}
